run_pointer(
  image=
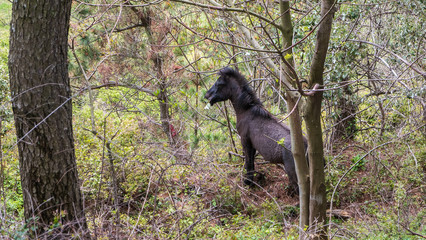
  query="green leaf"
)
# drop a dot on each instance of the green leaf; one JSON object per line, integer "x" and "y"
{"x": 288, "y": 56}
{"x": 281, "y": 142}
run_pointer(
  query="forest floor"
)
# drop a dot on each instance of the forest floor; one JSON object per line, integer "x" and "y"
{"x": 379, "y": 187}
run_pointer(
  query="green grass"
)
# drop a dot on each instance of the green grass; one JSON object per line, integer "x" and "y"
{"x": 5, "y": 14}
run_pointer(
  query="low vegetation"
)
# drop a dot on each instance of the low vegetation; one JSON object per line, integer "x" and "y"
{"x": 138, "y": 184}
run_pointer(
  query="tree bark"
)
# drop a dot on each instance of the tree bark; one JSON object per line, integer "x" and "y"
{"x": 146, "y": 17}
{"x": 345, "y": 123}
{"x": 163, "y": 98}
{"x": 41, "y": 102}
{"x": 297, "y": 145}
{"x": 313, "y": 123}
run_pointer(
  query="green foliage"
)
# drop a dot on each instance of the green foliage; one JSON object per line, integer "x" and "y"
{"x": 5, "y": 16}
{"x": 388, "y": 225}
{"x": 11, "y": 200}
{"x": 358, "y": 163}
{"x": 163, "y": 195}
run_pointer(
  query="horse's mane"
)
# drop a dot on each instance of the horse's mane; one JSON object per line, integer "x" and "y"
{"x": 247, "y": 99}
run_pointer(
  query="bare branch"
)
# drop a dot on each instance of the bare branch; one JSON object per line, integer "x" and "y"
{"x": 230, "y": 9}
{"x": 223, "y": 42}
{"x": 419, "y": 71}
{"x": 117, "y": 84}
{"x": 129, "y": 27}
{"x": 110, "y": 5}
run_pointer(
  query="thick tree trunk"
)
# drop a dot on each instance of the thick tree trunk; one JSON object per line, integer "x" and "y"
{"x": 318, "y": 199}
{"x": 43, "y": 115}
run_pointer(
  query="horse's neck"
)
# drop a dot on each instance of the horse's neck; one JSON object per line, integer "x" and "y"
{"x": 241, "y": 107}
{"x": 248, "y": 106}
{"x": 238, "y": 109}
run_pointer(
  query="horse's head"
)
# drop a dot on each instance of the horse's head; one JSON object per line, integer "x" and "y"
{"x": 224, "y": 88}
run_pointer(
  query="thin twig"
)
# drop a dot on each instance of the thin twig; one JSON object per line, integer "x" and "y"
{"x": 392, "y": 53}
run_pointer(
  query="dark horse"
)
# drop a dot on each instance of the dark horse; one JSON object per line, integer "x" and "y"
{"x": 258, "y": 129}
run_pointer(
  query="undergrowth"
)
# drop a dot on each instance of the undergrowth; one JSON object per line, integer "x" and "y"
{"x": 139, "y": 186}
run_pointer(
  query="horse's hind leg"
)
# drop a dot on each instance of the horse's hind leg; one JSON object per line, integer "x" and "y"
{"x": 290, "y": 169}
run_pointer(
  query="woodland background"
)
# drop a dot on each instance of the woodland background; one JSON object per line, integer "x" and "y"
{"x": 144, "y": 179}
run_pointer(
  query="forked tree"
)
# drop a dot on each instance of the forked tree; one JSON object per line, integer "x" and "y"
{"x": 255, "y": 30}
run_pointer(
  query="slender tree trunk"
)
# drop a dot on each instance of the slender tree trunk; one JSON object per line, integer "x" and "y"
{"x": 302, "y": 169}
{"x": 163, "y": 98}
{"x": 42, "y": 110}
{"x": 345, "y": 123}
{"x": 318, "y": 199}
{"x": 164, "y": 111}
{"x": 145, "y": 16}
{"x": 297, "y": 145}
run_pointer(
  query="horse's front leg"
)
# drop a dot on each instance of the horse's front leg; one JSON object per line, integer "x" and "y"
{"x": 249, "y": 153}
